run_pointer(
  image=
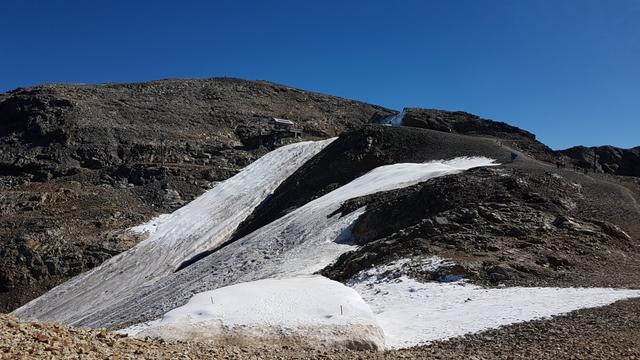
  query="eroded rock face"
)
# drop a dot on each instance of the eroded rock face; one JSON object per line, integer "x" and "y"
{"x": 81, "y": 163}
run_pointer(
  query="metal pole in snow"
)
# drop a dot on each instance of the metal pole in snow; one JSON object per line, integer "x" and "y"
{"x": 341, "y": 313}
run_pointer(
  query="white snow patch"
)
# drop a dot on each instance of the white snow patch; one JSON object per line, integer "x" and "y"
{"x": 413, "y": 313}
{"x": 308, "y": 239}
{"x": 322, "y": 238}
{"x": 299, "y": 243}
{"x": 203, "y": 224}
{"x": 289, "y": 307}
{"x": 150, "y": 227}
{"x": 394, "y": 120}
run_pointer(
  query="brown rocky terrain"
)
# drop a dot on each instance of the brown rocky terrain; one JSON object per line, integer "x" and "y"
{"x": 469, "y": 124}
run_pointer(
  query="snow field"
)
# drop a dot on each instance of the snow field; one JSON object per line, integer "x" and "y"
{"x": 201, "y": 225}
{"x": 308, "y": 239}
{"x": 413, "y": 313}
{"x": 261, "y": 287}
{"x": 299, "y": 243}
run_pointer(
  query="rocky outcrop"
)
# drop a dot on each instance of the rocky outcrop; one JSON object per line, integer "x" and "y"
{"x": 608, "y": 159}
{"x": 53, "y": 130}
{"x": 81, "y": 163}
{"x": 504, "y": 225}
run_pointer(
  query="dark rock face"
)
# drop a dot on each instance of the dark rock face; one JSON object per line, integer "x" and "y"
{"x": 464, "y": 123}
{"x": 608, "y": 159}
{"x": 79, "y": 164}
{"x": 501, "y": 225}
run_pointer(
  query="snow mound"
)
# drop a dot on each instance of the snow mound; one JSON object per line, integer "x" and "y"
{"x": 413, "y": 313}
{"x": 312, "y": 310}
{"x": 203, "y": 224}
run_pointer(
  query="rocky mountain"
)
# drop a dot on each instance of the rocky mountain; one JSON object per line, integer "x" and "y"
{"x": 81, "y": 163}
{"x": 400, "y": 232}
{"x": 380, "y": 218}
{"x": 608, "y": 159}
{"x": 56, "y": 130}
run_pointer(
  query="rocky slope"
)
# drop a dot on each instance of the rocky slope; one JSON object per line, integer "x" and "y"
{"x": 469, "y": 124}
{"x": 359, "y": 151}
{"x": 81, "y": 163}
{"x": 608, "y": 159}
{"x": 523, "y": 223}
{"x": 519, "y": 224}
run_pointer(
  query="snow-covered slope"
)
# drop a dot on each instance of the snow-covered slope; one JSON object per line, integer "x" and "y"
{"x": 202, "y": 225}
{"x": 413, "y": 313}
{"x": 316, "y": 311}
{"x": 260, "y": 287}
{"x": 299, "y": 243}
{"x": 320, "y": 311}
{"x": 394, "y": 120}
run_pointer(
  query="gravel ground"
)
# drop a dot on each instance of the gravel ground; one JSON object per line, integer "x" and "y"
{"x": 611, "y": 332}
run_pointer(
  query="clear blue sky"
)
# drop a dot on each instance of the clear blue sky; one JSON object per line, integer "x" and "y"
{"x": 568, "y": 71}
